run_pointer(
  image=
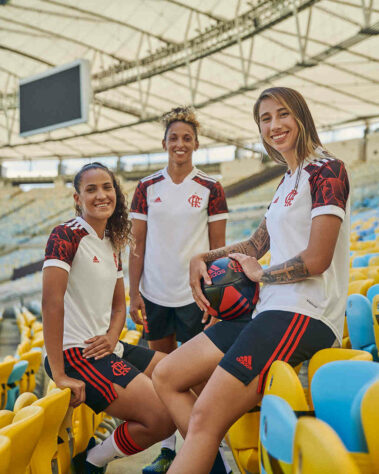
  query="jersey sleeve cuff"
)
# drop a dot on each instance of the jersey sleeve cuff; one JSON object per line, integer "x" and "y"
{"x": 120, "y": 274}
{"x": 331, "y": 209}
{"x": 137, "y": 215}
{"x": 218, "y": 217}
{"x": 54, "y": 262}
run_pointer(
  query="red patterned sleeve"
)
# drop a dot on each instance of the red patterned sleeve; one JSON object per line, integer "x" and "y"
{"x": 139, "y": 202}
{"x": 217, "y": 207}
{"x": 61, "y": 245}
{"x": 329, "y": 188}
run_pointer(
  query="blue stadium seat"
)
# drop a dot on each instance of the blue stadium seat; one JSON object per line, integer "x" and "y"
{"x": 13, "y": 382}
{"x": 337, "y": 391}
{"x": 359, "y": 322}
{"x": 372, "y": 291}
{"x": 277, "y": 431}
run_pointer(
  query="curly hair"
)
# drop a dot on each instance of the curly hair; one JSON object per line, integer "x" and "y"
{"x": 307, "y": 140}
{"x": 118, "y": 227}
{"x": 184, "y": 114}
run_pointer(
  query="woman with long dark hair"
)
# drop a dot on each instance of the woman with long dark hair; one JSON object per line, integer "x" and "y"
{"x": 303, "y": 294}
{"x": 83, "y": 306}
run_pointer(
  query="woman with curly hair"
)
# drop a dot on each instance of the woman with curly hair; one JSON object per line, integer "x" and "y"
{"x": 176, "y": 213}
{"x": 83, "y": 305}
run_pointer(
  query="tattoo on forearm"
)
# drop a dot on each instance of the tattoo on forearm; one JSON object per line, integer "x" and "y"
{"x": 287, "y": 272}
{"x": 256, "y": 246}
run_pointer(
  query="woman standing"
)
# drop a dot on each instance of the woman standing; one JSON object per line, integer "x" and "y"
{"x": 302, "y": 300}
{"x": 83, "y": 305}
{"x": 177, "y": 212}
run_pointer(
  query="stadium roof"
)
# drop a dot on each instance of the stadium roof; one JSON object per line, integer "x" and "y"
{"x": 150, "y": 55}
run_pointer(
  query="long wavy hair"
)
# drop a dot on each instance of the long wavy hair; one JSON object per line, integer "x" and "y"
{"x": 118, "y": 227}
{"x": 307, "y": 140}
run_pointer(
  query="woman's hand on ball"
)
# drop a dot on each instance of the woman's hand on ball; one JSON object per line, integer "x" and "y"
{"x": 198, "y": 270}
{"x": 250, "y": 266}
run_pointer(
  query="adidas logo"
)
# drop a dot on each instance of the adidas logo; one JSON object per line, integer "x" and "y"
{"x": 95, "y": 259}
{"x": 214, "y": 271}
{"x": 245, "y": 361}
{"x": 158, "y": 199}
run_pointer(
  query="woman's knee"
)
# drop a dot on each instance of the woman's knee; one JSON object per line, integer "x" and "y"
{"x": 162, "y": 375}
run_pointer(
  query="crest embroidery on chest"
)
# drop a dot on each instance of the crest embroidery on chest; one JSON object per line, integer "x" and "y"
{"x": 195, "y": 200}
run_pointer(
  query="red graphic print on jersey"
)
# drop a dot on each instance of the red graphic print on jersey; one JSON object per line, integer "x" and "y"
{"x": 217, "y": 201}
{"x": 329, "y": 184}
{"x": 290, "y": 197}
{"x": 63, "y": 242}
{"x": 115, "y": 260}
{"x": 139, "y": 202}
{"x": 195, "y": 200}
{"x": 119, "y": 368}
{"x": 245, "y": 361}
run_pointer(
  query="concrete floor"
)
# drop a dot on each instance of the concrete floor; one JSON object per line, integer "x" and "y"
{"x": 134, "y": 464}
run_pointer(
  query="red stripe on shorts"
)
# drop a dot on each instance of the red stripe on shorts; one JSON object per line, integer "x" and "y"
{"x": 77, "y": 365}
{"x": 278, "y": 347}
{"x": 294, "y": 332}
{"x": 298, "y": 338}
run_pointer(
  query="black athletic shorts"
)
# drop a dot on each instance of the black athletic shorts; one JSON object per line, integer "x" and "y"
{"x": 183, "y": 321}
{"x": 251, "y": 347}
{"x": 100, "y": 375}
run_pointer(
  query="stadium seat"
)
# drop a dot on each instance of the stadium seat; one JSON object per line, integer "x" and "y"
{"x": 34, "y": 359}
{"x": 277, "y": 430}
{"x": 335, "y": 387}
{"x": 6, "y": 417}
{"x": 325, "y": 356}
{"x": 374, "y": 260}
{"x": 24, "y": 432}
{"x": 356, "y": 276}
{"x": 372, "y": 291}
{"x": 318, "y": 449}
{"x": 14, "y": 381}
{"x": 24, "y": 400}
{"x": 243, "y": 438}
{"x": 375, "y": 319}
{"x": 283, "y": 382}
{"x": 83, "y": 427}
{"x": 370, "y": 421}
{"x": 5, "y": 454}
{"x": 360, "y": 286}
{"x": 373, "y": 273}
{"x": 5, "y": 371}
{"x": 359, "y": 321}
{"x": 55, "y": 405}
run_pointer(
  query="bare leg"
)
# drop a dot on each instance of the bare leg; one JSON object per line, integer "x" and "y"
{"x": 223, "y": 400}
{"x": 190, "y": 365}
{"x": 157, "y": 357}
{"x": 138, "y": 403}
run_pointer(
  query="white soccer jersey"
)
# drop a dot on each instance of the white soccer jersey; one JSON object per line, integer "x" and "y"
{"x": 323, "y": 188}
{"x": 177, "y": 218}
{"x": 93, "y": 268}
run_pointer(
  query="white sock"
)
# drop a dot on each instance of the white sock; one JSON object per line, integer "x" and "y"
{"x": 104, "y": 453}
{"x": 224, "y": 460}
{"x": 169, "y": 442}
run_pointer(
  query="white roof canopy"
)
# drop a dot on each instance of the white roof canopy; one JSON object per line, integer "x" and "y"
{"x": 150, "y": 55}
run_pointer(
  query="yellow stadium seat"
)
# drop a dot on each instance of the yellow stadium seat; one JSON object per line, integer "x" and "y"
{"x": 23, "y": 347}
{"x": 24, "y": 433}
{"x": 5, "y": 371}
{"x": 375, "y": 319}
{"x": 24, "y": 400}
{"x": 243, "y": 438}
{"x": 356, "y": 276}
{"x": 324, "y": 356}
{"x": 83, "y": 421}
{"x": 123, "y": 333}
{"x": 6, "y": 417}
{"x": 38, "y": 341}
{"x": 373, "y": 273}
{"x": 29, "y": 317}
{"x": 132, "y": 337}
{"x": 55, "y": 406}
{"x": 360, "y": 286}
{"x": 346, "y": 343}
{"x": 370, "y": 421}
{"x": 5, "y": 454}
{"x": 283, "y": 381}
{"x": 319, "y": 450}
{"x": 34, "y": 359}
{"x": 374, "y": 261}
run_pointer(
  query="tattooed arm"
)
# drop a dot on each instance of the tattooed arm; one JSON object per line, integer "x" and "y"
{"x": 256, "y": 246}
{"x": 314, "y": 260}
